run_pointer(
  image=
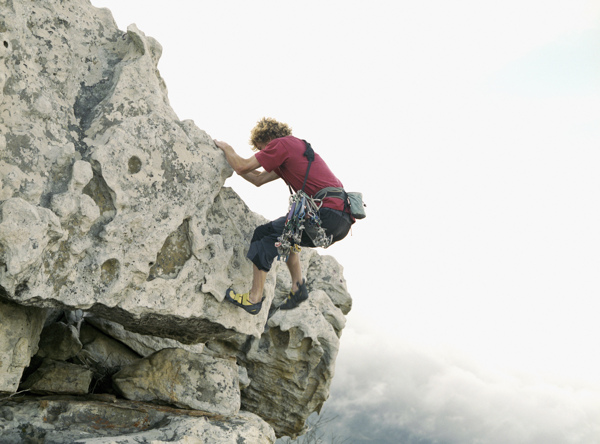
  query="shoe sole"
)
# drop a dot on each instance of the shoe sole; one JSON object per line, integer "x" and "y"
{"x": 296, "y": 298}
{"x": 253, "y": 309}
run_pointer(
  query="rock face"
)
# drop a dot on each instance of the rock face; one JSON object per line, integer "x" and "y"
{"x": 59, "y": 341}
{"x": 290, "y": 362}
{"x": 59, "y": 377}
{"x": 20, "y": 329}
{"x": 89, "y": 420}
{"x": 117, "y": 243}
{"x": 184, "y": 379}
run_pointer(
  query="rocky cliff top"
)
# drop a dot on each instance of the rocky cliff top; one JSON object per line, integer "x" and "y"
{"x": 117, "y": 243}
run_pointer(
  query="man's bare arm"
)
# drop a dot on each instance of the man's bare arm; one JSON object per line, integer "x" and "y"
{"x": 239, "y": 164}
{"x": 259, "y": 178}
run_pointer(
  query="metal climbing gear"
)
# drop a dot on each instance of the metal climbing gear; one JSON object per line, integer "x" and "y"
{"x": 303, "y": 215}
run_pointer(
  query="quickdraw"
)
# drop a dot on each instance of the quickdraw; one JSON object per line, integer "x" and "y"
{"x": 303, "y": 216}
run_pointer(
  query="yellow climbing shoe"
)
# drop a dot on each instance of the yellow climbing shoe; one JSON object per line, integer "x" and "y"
{"x": 242, "y": 300}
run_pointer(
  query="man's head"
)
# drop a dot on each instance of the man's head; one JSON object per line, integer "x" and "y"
{"x": 267, "y": 129}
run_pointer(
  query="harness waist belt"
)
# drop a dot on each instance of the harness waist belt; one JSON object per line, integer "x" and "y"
{"x": 336, "y": 192}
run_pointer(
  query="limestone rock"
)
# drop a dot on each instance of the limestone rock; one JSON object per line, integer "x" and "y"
{"x": 109, "y": 203}
{"x": 20, "y": 329}
{"x": 74, "y": 208}
{"x": 60, "y": 378}
{"x": 144, "y": 345}
{"x": 104, "y": 355}
{"x": 322, "y": 273}
{"x": 326, "y": 274}
{"x": 244, "y": 378}
{"x": 59, "y": 341}
{"x": 112, "y": 206}
{"x": 291, "y": 366}
{"x": 84, "y": 421}
{"x": 26, "y": 231}
{"x": 183, "y": 379}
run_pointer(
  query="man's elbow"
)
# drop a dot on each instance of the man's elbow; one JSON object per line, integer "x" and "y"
{"x": 242, "y": 169}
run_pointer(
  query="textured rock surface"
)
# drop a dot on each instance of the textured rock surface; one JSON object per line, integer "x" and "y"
{"x": 20, "y": 329}
{"x": 184, "y": 379}
{"x": 142, "y": 344}
{"x": 113, "y": 216}
{"x": 59, "y": 341}
{"x": 79, "y": 420}
{"x": 102, "y": 353}
{"x": 292, "y": 364}
{"x": 59, "y": 377}
{"x": 110, "y": 203}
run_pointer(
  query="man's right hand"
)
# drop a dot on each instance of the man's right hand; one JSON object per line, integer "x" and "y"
{"x": 222, "y": 145}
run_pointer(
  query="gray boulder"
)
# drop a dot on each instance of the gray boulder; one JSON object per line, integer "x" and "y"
{"x": 184, "y": 379}
{"x": 59, "y": 341}
{"x": 292, "y": 365}
{"x": 103, "y": 354}
{"x": 20, "y": 329}
{"x": 77, "y": 420}
{"x": 56, "y": 377}
{"x": 144, "y": 345}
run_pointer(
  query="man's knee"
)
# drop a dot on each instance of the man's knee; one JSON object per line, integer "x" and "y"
{"x": 262, "y": 254}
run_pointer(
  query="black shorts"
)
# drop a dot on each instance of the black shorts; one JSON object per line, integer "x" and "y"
{"x": 262, "y": 251}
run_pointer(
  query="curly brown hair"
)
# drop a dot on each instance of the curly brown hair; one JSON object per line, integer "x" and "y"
{"x": 267, "y": 129}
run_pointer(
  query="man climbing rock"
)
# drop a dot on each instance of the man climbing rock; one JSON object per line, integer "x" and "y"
{"x": 281, "y": 155}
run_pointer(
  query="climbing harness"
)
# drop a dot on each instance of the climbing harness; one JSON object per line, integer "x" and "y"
{"x": 303, "y": 215}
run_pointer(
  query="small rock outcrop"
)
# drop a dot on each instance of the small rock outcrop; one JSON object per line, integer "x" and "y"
{"x": 118, "y": 240}
{"x": 20, "y": 329}
{"x": 57, "y": 377}
{"x": 184, "y": 379}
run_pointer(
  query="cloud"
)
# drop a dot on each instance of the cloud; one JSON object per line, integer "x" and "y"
{"x": 566, "y": 66}
{"x": 386, "y": 390}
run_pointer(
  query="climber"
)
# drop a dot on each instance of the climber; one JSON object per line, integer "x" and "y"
{"x": 281, "y": 155}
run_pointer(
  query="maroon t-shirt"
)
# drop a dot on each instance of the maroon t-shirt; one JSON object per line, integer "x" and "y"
{"x": 285, "y": 156}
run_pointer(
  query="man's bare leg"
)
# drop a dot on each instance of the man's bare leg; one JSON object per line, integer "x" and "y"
{"x": 299, "y": 291}
{"x": 258, "y": 284}
{"x": 295, "y": 268}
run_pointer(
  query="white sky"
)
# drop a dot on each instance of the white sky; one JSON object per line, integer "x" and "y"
{"x": 471, "y": 127}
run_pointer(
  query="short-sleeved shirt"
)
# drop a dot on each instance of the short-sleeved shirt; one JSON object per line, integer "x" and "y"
{"x": 285, "y": 156}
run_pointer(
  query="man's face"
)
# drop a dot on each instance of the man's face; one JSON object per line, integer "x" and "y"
{"x": 260, "y": 146}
